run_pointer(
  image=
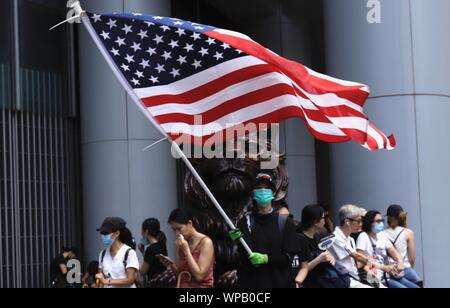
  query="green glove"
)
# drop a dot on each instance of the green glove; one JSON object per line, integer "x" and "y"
{"x": 257, "y": 259}
{"x": 235, "y": 234}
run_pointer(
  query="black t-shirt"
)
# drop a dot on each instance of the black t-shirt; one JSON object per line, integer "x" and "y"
{"x": 266, "y": 238}
{"x": 156, "y": 267}
{"x": 311, "y": 252}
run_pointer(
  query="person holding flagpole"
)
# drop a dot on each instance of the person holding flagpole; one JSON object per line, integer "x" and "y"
{"x": 273, "y": 239}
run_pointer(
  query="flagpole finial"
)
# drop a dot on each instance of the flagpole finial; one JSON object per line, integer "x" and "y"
{"x": 74, "y": 14}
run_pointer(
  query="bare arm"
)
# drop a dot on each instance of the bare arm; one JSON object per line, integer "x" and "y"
{"x": 126, "y": 282}
{"x": 145, "y": 267}
{"x": 63, "y": 269}
{"x": 201, "y": 269}
{"x": 397, "y": 257}
{"x": 411, "y": 248}
{"x": 303, "y": 273}
{"x": 363, "y": 261}
{"x": 322, "y": 258}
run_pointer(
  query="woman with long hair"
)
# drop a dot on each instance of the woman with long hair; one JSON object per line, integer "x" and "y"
{"x": 403, "y": 239}
{"x": 194, "y": 253}
{"x": 374, "y": 243}
{"x": 118, "y": 262}
{"x": 153, "y": 245}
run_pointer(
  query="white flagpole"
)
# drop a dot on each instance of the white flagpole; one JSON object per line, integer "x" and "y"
{"x": 174, "y": 145}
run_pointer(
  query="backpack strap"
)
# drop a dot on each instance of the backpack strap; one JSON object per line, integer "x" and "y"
{"x": 398, "y": 236}
{"x": 374, "y": 246}
{"x": 250, "y": 222}
{"x": 102, "y": 257}
{"x": 282, "y": 219}
{"x": 125, "y": 258}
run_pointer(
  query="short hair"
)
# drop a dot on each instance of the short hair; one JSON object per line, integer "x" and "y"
{"x": 348, "y": 211}
{"x": 363, "y": 211}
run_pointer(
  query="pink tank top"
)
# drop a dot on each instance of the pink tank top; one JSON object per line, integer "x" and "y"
{"x": 208, "y": 282}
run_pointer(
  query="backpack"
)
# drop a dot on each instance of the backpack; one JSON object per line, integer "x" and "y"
{"x": 333, "y": 277}
{"x": 327, "y": 276}
{"x": 282, "y": 219}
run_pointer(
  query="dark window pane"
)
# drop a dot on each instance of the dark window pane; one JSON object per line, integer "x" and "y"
{"x": 43, "y": 55}
{"x": 5, "y": 54}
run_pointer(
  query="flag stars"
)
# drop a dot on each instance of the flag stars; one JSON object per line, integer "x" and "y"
{"x": 178, "y": 23}
{"x": 165, "y": 28}
{"x": 144, "y": 64}
{"x": 129, "y": 58}
{"x": 135, "y": 82}
{"x": 125, "y": 67}
{"x": 158, "y": 18}
{"x": 197, "y": 64}
{"x": 173, "y": 44}
{"x": 105, "y": 35}
{"x": 160, "y": 68}
{"x": 136, "y": 46}
{"x": 199, "y": 28}
{"x": 210, "y": 41}
{"x": 151, "y": 51}
{"x": 139, "y": 74}
{"x": 175, "y": 73}
{"x": 189, "y": 47}
{"x": 127, "y": 29}
{"x": 180, "y": 32}
{"x": 196, "y": 36}
{"x": 120, "y": 41}
{"x": 143, "y": 34}
{"x": 158, "y": 39}
{"x": 218, "y": 56}
{"x": 225, "y": 46}
{"x": 115, "y": 52}
{"x": 167, "y": 55}
{"x": 112, "y": 23}
{"x": 97, "y": 18}
{"x": 149, "y": 23}
{"x": 154, "y": 79}
{"x": 204, "y": 51}
{"x": 181, "y": 60}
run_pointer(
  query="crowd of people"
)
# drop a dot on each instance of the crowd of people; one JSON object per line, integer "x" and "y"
{"x": 360, "y": 252}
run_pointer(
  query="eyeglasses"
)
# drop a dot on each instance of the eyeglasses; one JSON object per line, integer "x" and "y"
{"x": 355, "y": 220}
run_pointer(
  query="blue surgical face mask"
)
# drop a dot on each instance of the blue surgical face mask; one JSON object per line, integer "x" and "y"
{"x": 144, "y": 241}
{"x": 107, "y": 240}
{"x": 263, "y": 196}
{"x": 378, "y": 228}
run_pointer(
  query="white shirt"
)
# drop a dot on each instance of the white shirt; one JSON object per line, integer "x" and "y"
{"x": 342, "y": 249}
{"x": 381, "y": 245}
{"x": 113, "y": 268}
{"x": 398, "y": 235}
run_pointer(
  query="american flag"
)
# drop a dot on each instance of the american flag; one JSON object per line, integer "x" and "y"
{"x": 200, "y": 81}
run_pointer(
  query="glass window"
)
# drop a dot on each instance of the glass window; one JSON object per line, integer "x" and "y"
{"x": 5, "y": 54}
{"x": 43, "y": 56}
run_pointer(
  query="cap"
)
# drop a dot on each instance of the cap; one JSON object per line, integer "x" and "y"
{"x": 394, "y": 211}
{"x": 112, "y": 224}
{"x": 264, "y": 178}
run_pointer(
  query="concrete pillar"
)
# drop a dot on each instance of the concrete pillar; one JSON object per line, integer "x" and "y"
{"x": 285, "y": 30}
{"x": 118, "y": 178}
{"x": 404, "y": 60}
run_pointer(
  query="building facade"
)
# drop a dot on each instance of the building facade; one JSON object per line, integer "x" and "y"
{"x": 39, "y": 148}
{"x": 400, "y": 52}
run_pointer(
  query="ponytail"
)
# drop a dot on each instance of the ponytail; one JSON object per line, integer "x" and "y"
{"x": 403, "y": 220}
{"x": 126, "y": 237}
